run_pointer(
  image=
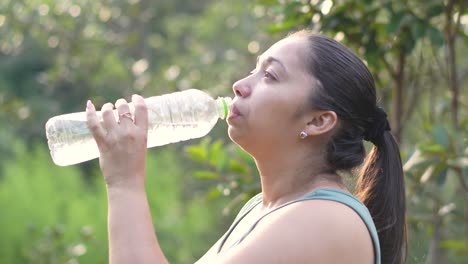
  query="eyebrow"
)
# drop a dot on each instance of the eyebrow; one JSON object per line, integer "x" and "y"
{"x": 270, "y": 60}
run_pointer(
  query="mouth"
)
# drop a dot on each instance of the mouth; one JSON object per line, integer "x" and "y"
{"x": 234, "y": 113}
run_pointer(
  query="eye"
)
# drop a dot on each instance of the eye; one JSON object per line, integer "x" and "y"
{"x": 268, "y": 75}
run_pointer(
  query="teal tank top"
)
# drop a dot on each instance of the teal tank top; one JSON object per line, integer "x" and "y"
{"x": 319, "y": 194}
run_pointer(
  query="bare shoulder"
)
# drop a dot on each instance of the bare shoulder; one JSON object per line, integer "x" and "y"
{"x": 315, "y": 231}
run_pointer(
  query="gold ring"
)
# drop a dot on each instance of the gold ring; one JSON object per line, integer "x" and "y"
{"x": 126, "y": 115}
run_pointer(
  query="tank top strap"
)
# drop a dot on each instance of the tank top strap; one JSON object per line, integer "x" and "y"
{"x": 245, "y": 210}
{"x": 354, "y": 203}
{"x": 319, "y": 194}
{"x": 254, "y": 201}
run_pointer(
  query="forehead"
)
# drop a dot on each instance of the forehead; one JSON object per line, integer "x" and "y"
{"x": 289, "y": 51}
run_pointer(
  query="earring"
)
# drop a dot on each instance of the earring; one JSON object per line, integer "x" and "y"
{"x": 303, "y": 135}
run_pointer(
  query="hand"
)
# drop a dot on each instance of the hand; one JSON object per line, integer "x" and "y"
{"x": 122, "y": 144}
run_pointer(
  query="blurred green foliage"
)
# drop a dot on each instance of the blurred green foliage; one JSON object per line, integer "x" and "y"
{"x": 50, "y": 215}
{"x": 54, "y": 55}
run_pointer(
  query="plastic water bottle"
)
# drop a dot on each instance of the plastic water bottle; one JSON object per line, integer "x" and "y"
{"x": 171, "y": 118}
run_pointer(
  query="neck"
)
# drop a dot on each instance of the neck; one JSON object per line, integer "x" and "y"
{"x": 284, "y": 179}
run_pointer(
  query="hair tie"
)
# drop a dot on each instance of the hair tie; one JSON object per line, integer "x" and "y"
{"x": 378, "y": 127}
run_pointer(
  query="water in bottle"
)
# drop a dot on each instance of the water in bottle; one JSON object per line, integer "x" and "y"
{"x": 171, "y": 118}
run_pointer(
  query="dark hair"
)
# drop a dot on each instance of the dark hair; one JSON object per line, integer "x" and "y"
{"x": 345, "y": 86}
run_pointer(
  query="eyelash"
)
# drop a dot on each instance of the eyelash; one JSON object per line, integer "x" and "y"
{"x": 266, "y": 74}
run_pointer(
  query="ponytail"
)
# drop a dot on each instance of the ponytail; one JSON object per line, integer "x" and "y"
{"x": 380, "y": 187}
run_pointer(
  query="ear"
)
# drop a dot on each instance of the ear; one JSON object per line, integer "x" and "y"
{"x": 320, "y": 122}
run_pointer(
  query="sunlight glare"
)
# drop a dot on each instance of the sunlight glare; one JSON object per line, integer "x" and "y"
{"x": 43, "y": 9}
{"x": 253, "y": 47}
{"x": 74, "y": 11}
{"x": 339, "y": 36}
{"x": 172, "y": 73}
{"x": 326, "y": 7}
{"x": 140, "y": 67}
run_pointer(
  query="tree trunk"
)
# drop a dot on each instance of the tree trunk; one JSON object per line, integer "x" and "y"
{"x": 451, "y": 29}
{"x": 466, "y": 215}
{"x": 450, "y": 34}
{"x": 398, "y": 80}
{"x": 436, "y": 254}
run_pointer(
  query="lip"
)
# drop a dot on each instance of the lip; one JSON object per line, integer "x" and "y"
{"x": 234, "y": 112}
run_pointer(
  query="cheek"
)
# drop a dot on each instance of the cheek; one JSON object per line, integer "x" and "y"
{"x": 273, "y": 115}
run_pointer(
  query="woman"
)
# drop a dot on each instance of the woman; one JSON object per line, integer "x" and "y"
{"x": 303, "y": 114}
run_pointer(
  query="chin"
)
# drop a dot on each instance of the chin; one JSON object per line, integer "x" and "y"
{"x": 237, "y": 136}
{"x": 234, "y": 134}
{"x": 243, "y": 139}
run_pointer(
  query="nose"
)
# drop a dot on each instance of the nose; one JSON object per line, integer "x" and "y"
{"x": 241, "y": 88}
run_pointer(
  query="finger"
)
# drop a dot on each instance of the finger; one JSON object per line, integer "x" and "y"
{"x": 108, "y": 117}
{"x": 123, "y": 109}
{"x": 141, "y": 112}
{"x": 92, "y": 121}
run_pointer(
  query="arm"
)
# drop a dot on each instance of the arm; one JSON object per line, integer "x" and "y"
{"x": 131, "y": 235}
{"x": 122, "y": 147}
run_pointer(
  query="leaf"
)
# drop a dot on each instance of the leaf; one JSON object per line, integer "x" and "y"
{"x": 237, "y": 167}
{"x": 283, "y": 26}
{"x": 373, "y": 55}
{"x": 441, "y": 177}
{"x": 216, "y": 149}
{"x": 197, "y": 153}
{"x": 213, "y": 193}
{"x": 432, "y": 148}
{"x": 244, "y": 156}
{"x": 217, "y": 155}
{"x": 441, "y": 136}
{"x": 268, "y": 2}
{"x": 418, "y": 29}
{"x": 409, "y": 42}
{"x": 453, "y": 244}
{"x": 435, "y": 10}
{"x": 206, "y": 175}
{"x": 436, "y": 36}
{"x": 395, "y": 22}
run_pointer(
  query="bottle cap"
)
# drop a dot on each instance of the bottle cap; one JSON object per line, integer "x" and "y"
{"x": 226, "y": 101}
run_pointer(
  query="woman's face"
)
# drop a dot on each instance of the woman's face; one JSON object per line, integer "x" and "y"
{"x": 270, "y": 104}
